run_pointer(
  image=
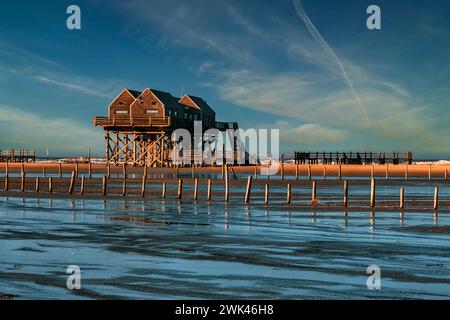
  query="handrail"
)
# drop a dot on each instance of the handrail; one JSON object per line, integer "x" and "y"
{"x": 132, "y": 121}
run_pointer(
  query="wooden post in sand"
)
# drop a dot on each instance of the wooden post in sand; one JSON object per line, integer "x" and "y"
{"x": 208, "y": 196}
{"x": 7, "y": 177}
{"x": 82, "y": 185}
{"x": 72, "y": 182}
{"x": 124, "y": 187}
{"x": 60, "y": 169}
{"x": 436, "y": 198}
{"x": 372, "y": 193}
{"x": 124, "y": 170}
{"x": 296, "y": 171}
{"x": 226, "y": 184}
{"x": 22, "y": 180}
{"x": 180, "y": 188}
{"x": 248, "y": 189}
{"x": 104, "y": 185}
{"x": 143, "y": 186}
{"x": 266, "y": 194}
{"x": 340, "y": 172}
{"x": 345, "y": 193}
{"x": 163, "y": 192}
{"x": 314, "y": 191}
{"x": 288, "y": 196}
{"x": 387, "y": 171}
{"x": 37, "y": 185}
{"x": 76, "y": 169}
{"x": 195, "y": 189}
{"x": 50, "y": 185}
{"x": 309, "y": 172}
{"x": 402, "y": 198}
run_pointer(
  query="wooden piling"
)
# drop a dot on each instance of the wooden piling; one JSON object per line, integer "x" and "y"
{"x": 296, "y": 171}
{"x": 145, "y": 171}
{"x": 82, "y": 185}
{"x": 226, "y": 184}
{"x": 256, "y": 172}
{"x": 72, "y": 182}
{"x": 406, "y": 172}
{"x": 445, "y": 174}
{"x": 248, "y": 189}
{"x": 60, "y": 169}
{"x": 44, "y": 172}
{"x": 266, "y": 193}
{"x": 22, "y": 180}
{"x": 402, "y": 198}
{"x": 163, "y": 191}
{"x": 372, "y": 173}
{"x": 195, "y": 189}
{"x": 309, "y": 172}
{"x": 288, "y": 195}
{"x": 429, "y": 172}
{"x": 324, "y": 172}
{"x": 372, "y": 193}
{"x": 340, "y": 172}
{"x": 108, "y": 170}
{"x": 193, "y": 171}
{"x": 6, "y": 182}
{"x": 37, "y": 185}
{"x": 180, "y": 188}
{"x": 223, "y": 169}
{"x": 144, "y": 178}
{"x": 124, "y": 187}
{"x": 314, "y": 191}
{"x": 76, "y": 169}
{"x": 208, "y": 197}
{"x": 124, "y": 170}
{"x": 282, "y": 171}
{"x": 90, "y": 169}
{"x": 436, "y": 198}
{"x": 50, "y": 185}
{"x": 387, "y": 171}
{"x": 345, "y": 193}
{"x": 104, "y": 186}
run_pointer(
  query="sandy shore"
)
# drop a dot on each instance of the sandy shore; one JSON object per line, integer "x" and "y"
{"x": 411, "y": 171}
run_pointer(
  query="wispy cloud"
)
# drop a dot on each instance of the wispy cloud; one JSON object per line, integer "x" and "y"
{"x": 20, "y": 129}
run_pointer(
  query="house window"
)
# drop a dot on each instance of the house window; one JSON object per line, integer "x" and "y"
{"x": 176, "y": 113}
{"x": 170, "y": 112}
{"x": 121, "y": 112}
{"x": 151, "y": 111}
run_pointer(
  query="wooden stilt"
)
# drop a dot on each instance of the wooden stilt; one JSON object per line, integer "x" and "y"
{"x": 402, "y": 198}
{"x": 144, "y": 178}
{"x": 124, "y": 187}
{"x": 60, "y": 169}
{"x": 372, "y": 193}
{"x": 163, "y": 192}
{"x": 180, "y": 188}
{"x": 288, "y": 195}
{"x": 104, "y": 186}
{"x": 37, "y": 185}
{"x": 82, "y": 184}
{"x": 436, "y": 198}
{"x": 345, "y": 193}
{"x": 266, "y": 193}
{"x": 195, "y": 189}
{"x": 314, "y": 191}
{"x": 50, "y": 185}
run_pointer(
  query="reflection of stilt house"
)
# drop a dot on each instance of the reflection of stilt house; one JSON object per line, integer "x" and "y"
{"x": 139, "y": 125}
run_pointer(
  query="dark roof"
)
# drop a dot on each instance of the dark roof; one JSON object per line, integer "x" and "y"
{"x": 134, "y": 93}
{"x": 202, "y": 104}
{"x": 167, "y": 99}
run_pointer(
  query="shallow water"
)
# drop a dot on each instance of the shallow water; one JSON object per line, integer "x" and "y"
{"x": 188, "y": 250}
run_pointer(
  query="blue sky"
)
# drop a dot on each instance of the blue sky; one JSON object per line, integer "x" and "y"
{"x": 255, "y": 62}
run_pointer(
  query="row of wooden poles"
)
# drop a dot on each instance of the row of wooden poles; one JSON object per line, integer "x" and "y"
{"x": 226, "y": 170}
{"x": 209, "y": 189}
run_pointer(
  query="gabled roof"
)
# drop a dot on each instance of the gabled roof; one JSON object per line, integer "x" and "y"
{"x": 134, "y": 93}
{"x": 200, "y": 103}
{"x": 167, "y": 99}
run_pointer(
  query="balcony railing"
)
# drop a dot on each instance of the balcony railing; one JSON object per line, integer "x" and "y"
{"x": 121, "y": 121}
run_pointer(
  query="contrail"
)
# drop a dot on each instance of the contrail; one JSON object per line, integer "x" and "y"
{"x": 324, "y": 45}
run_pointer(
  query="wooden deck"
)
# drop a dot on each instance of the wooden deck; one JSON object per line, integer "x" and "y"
{"x": 118, "y": 121}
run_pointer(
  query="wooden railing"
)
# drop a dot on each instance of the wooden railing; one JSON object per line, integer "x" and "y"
{"x": 132, "y": 121}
